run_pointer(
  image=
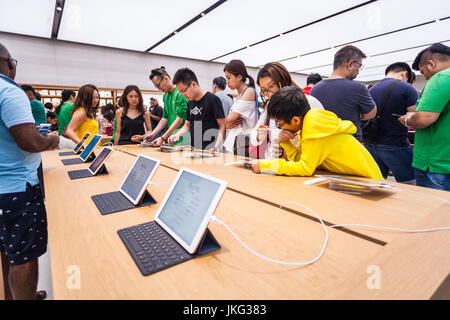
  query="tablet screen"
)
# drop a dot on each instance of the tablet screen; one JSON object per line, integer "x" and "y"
{"x": 98, "y": 161}
{"x": 78, "y": 146}
{"x": 187, "y": 205}
{"x": 90, "y": 147}
{"x": 138, "y": 177}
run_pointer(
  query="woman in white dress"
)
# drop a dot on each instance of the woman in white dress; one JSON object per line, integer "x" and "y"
{"x": 272, "y": 77}
{"x": 244, "y": 112}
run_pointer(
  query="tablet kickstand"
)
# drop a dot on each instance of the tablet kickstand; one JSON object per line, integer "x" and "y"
{"x": 208, "y": 244}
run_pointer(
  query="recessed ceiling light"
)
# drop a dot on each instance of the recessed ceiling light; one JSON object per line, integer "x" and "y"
{"x": 58, "y": 8}
{"x": 202, "y": 14}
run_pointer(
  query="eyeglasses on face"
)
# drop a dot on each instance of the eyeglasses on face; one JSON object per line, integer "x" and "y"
{"x": 361, "y": 66}
{"x": 271, "y": 89}
{"x": 159, "y": 84}
{"x": 278, "y": 125}
{"x": 185, "y": 89}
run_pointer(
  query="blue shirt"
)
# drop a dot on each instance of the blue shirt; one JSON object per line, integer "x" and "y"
{"x": 346, "y": 98}
{"x": 403, "y": 95}
{"x": 17, "y": 167}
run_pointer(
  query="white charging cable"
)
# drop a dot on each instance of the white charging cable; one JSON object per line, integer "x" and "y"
{"x": 217, "y": 221}
{"x": 421, "y": 193}
{"x": 214, "y": 219}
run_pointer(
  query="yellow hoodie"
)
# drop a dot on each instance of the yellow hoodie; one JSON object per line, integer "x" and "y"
{"x": 325, "y": 142}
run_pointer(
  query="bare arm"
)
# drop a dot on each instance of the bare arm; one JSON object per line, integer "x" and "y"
{"x": 118, "y": 126}
{"x": 370, "y": 115}
{"x": 411, "y": 108}
{"x": 232, "y": 120}
{"x": 221, "y": 135}
{"x": 77, "y": 120}
{"x": 172, "y": 128}
{"x": 29, "y": 139}
{"x": 148, "y": 125}
{"x": 419, "y": 119}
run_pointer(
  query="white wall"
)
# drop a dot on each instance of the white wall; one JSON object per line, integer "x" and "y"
{"x": 54, "y": 62}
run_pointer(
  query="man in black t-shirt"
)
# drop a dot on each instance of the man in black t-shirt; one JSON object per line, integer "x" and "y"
{"x": 156, "y": 113}
{"x": 205, "y": 119}
{"x": 391, "y": 148}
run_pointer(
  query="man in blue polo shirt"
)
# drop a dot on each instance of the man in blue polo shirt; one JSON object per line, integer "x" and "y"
{"x": 23, "y": 222}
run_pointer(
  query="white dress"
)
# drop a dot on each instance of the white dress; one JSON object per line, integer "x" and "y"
{"x": 249, "y": 116}
{"x": 274, "y": 132}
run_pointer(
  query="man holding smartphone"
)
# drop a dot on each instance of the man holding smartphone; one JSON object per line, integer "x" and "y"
{"x": 23, "y": 219}
{"x": 391, "y": 148}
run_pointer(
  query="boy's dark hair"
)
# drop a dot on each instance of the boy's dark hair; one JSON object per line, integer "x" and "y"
{"x": 51, "y": 115}
{"x": 185, "y": 76}
{"x": 346, "y": 54}
{"x": 26, "y": 88}
{"x": 399, "y": 67}
{"x": 48, "y": 105}
{"x": 286, "y": 103}
{"x": 313, "y": 78}
{"x": 220, "y": 82}
{"x": 159, "y": 72}
{"x": 38, "y": 96}
{"x": 437, "y": 51}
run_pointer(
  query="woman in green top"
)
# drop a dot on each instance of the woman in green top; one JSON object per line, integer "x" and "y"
{"x": 174, "y": 112}
{"x": 64, "y": 110}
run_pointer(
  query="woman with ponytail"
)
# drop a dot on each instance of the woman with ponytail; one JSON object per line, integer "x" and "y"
{"x": 64, "y": 110}
{"x": 244, "y": 111}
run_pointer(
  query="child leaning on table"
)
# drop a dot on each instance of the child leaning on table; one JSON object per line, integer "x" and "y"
{"x": 325, "y": 141}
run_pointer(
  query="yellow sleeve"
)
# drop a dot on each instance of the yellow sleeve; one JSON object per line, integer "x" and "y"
{"x": 292, "y": 152}
{"x": 314, "y": 152}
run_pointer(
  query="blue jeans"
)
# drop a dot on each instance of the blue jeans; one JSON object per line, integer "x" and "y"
{"x": 396, "y": 159}
{"x": 440, "y": 181}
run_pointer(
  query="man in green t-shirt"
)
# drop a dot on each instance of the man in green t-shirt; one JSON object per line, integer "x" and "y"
{"x": 37, "y": 108}
{"x": 64, "y": 110}
{"x": 432, "y": 119}
{"x": 174, "y": 112}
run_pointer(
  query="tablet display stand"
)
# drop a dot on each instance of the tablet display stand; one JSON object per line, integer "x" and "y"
{"x": 85, "y": 173}
{"x": 68, "y": 162}
{"x": 115, "y": 201}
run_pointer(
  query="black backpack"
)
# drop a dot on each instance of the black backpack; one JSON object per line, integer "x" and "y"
{"x": 369, "y": 127}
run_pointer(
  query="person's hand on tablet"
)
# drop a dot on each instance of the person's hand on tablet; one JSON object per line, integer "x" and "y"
{"x": 158, "y": 142}
{"x": 137, "y": 138}
{"x": 173, "y": 138}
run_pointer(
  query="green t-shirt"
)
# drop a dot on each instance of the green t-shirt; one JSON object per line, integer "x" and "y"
{"x": 175, "y": 105}
{"x": 64, "y": 116}
{"x": 38, "y": 110}
{"x": 432, "y": 144}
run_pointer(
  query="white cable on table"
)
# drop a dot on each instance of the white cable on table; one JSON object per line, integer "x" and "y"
{"x": 217, "y": 221}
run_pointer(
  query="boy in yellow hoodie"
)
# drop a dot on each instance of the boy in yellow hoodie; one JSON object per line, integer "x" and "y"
{"x": 325, "y": 141}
